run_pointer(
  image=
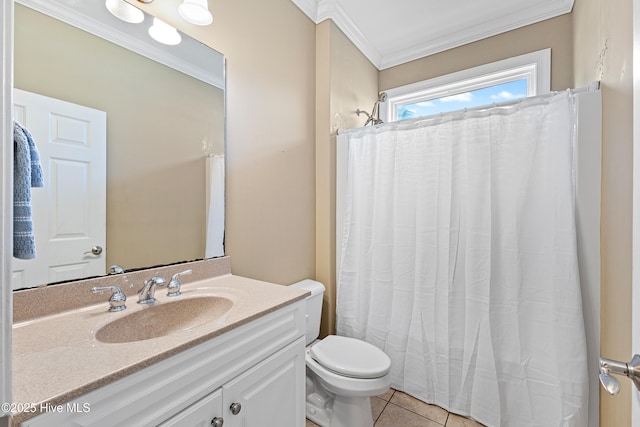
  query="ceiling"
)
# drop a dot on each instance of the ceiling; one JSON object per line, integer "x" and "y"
{"x": 392, "y": 32}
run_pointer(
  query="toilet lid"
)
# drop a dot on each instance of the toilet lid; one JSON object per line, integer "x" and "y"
{"x": 351, "y": 357}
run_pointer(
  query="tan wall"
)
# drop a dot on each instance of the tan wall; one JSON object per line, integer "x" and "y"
{"x": 156, "y": 120}
{"x": 270, "y": 211}
{"x": 270, "y": 49}
{"x": 603, "y": 36}
{"x": 345, "y": 81}
{"x": 553, "y": 33}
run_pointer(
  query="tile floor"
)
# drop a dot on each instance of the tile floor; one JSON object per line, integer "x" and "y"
{"x": 396, "y": 409}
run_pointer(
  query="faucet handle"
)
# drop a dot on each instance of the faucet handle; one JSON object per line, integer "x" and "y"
{"x": 174, "y": 284}
{"x": 116, "y": 300}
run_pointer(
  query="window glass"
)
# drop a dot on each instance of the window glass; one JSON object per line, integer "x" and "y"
{"x": 476, "y": 98}
{"x": 492, "y": 83}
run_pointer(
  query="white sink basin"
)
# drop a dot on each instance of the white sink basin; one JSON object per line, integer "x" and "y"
{"x": 161, "y": 319}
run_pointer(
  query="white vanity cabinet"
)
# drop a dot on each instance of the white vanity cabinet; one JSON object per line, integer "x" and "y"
{"x": 269, "y": 394}
{"x": 256, "y": 370}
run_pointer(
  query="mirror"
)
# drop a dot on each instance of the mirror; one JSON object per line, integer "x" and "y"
{"x": 164, "y": 121}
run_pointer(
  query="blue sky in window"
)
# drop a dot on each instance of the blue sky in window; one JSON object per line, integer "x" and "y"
{"x": 489, "y": 95}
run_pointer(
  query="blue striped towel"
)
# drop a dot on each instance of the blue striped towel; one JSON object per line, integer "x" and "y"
{"x": 27, "y": 173}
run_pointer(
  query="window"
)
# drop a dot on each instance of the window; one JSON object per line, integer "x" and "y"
{"x": 518, "y": 77}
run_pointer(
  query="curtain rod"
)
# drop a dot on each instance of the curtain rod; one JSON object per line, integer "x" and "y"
{"x": 590, "y": 88}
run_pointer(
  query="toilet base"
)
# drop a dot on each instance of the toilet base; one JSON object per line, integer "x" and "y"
{"x": 328, "y": 410}
{"x": 319, "y": 409}
{"x": 352, "y": 412}
{"x": 342, "y": 412}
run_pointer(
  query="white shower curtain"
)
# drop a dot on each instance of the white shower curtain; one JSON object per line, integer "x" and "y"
{"x": 214, "y": 243}
{"x": 458, "y": 259}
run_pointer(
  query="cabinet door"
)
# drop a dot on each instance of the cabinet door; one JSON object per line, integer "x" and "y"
{"x": 206, "y": 412}
{"x": 272, "y": 393}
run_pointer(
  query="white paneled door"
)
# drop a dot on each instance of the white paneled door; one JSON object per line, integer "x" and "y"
{"x": 69, "y": 213}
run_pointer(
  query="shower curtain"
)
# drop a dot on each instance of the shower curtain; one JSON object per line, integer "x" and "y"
{"x": 459, "y": 260}
{"x": 214, "y": 243}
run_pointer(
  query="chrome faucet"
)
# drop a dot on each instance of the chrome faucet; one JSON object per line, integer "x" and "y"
{"x": 116, "y": 269}
{"x": 116, "y": 300}
{"x": 148, "y": 291}
{"x": 174, "y": 284}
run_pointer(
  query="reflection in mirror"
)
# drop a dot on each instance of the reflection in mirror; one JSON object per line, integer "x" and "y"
{"x": 163, "y": 130}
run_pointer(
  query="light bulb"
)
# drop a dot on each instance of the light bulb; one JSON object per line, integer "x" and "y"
{"x": 195, "y": 12}
{"x": 124, "y": 11}
{"x": 164, "y": 33}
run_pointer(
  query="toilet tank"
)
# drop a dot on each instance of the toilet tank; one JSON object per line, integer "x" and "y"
{"x": 314, "y": 306}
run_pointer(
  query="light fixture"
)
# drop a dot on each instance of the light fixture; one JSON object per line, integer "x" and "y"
{"x": 195, "y": 12}
{"x": 123, "y": 10}
{"x": 164, "y": 33}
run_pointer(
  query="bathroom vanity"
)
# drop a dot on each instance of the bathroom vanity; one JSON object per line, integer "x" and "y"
{"x": 238, "y": 362}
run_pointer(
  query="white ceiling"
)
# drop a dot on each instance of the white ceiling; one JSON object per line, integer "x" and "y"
{"x": 392, "y": 32}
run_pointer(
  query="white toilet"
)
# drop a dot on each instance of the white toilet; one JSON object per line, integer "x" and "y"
{"x": 342, "y": 373}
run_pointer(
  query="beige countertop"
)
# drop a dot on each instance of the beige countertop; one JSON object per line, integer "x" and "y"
{"x": 57, "y": 358}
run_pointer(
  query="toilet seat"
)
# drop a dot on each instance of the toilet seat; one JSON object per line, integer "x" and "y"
{"x": 351, "y": 357}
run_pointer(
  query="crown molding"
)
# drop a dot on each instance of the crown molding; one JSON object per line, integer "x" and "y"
{"x": 309, "y": 7}
{"x": 320, "y": 10}
{"x": 487, "y": 29}
{"x": 332, "y": 9}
